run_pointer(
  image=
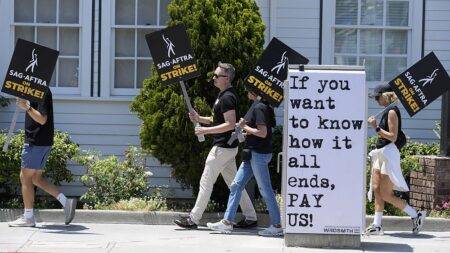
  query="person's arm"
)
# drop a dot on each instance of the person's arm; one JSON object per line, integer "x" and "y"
{"x": 200, "y": 119}
{"x": 229, "y": 124}
{"x": 393, "y": 127}
{"x": 34, "y": 114}
{"x": 260, "y": 130}
{"x": 259, "y": 117}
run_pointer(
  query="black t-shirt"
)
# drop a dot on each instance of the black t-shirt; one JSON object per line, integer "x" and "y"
{"x": 385, "y": 126}
{"x": 261, "y": 115}
{"x": 226, "y": 101}
{"x": 35, "y": 133}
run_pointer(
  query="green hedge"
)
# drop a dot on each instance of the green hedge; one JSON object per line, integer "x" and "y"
{"x": 55, "y": 170}
{"x": 110, "y": 181}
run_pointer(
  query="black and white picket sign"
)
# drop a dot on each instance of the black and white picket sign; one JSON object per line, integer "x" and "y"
{"x": 172, "y": 54}
{"x": 174, "y": 59}
{"x": 270, "y": 72}
{"x": 29, "y": 74}
{"x": 30, "y": 71}
{"x": 325, "y": 148}
{"x": 421, "y": 84}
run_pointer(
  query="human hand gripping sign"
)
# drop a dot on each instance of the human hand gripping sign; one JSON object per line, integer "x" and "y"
{"x": 372, "y": 122}
{"x": 23, "y": 104}
{"x": 193, "y": 116}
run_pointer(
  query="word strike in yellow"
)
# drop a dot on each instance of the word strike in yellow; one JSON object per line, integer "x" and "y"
{"x": 178, "y": 72}
{"x": 269, "y": 91}
{"x": 407, "y": 94}
{"x": 25, "y": 89}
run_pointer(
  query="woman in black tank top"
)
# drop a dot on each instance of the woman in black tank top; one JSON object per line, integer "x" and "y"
{"x": 386, "y": 172}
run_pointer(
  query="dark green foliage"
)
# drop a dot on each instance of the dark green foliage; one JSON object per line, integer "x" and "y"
{"x": 110, "y": 180}
{"x": 220, "y": 30}
{"x": 56, "y": 169}
{"x": 3, "y": 101}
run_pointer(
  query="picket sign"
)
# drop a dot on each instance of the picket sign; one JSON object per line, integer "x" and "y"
{"x": 28, "y": 76}
{"x": 174, "y": 59}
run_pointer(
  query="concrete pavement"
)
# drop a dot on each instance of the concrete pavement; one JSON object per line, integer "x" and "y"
{"x": 390, "y": 223}
{"x": 92, "y": 237}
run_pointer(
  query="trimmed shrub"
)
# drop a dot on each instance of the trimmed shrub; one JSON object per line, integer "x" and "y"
{"x": 227, "y": 30}
{"x": 110, "y": 181}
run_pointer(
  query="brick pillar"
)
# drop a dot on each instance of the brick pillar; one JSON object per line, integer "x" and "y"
{"x": 432, "y": 185}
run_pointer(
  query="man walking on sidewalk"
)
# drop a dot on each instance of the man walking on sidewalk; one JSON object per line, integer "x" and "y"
{"x": 39, "y": 132}
{"x": 221, "y": 158}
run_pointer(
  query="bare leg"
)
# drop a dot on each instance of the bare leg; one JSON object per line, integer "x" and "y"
{"x": 388, "y": 194}
{"x": 376, "y": 182}
{"x": 42, "y": 183}
{"x": 26, "y": 180}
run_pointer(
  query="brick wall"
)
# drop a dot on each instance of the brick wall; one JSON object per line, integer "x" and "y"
{"x": 432, "y": 185}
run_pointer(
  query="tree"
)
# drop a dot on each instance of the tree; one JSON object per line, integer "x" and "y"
{"x": 230, "y": 31}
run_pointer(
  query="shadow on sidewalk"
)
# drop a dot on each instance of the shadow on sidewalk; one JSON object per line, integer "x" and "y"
{"x": 386, "y": 247}
{"x": 248, "y": 232}
{"x": 64, "y": 229}
{"x": 409, "y": 235}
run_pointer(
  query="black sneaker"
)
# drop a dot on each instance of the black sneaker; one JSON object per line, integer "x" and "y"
{"x": 185, "y": 222}
{"x": 374, "y": 230}
{"x": 246, "y": 224}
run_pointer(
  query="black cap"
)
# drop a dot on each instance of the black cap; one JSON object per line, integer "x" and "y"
{"x": 380, "y": 89}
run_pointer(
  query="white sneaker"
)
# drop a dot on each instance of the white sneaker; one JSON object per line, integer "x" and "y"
{"x": 220, "y": 226}
{"x": 418, "y": 222}
{"x": 23, "y": 222}
{"x": 271, "y": 231}
{"x": 69, "y": 210}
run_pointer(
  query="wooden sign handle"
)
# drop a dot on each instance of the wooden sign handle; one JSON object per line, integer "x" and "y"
{"x": 201, "y": 138}
{"x": 11, "y": 129}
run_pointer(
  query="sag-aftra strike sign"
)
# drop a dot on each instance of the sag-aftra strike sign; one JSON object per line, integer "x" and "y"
{"x": 268, "y": 76}
{"x": 30, "y": 71}
{"x": 421, "y": 84}
{"x": 172, "y": 54}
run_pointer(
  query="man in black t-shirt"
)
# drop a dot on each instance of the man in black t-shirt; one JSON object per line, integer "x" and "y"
{"x": 39, "y": 133}
{"x": 221, "y": 158}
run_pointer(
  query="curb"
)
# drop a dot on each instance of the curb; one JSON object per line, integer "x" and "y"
{"x": 390, "y": 223}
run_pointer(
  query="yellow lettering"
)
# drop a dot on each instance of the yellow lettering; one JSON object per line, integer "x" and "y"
{"x": 178, "y": 72}
{"x": 20, "y": 88}
{"x": 251, "y": 79}
{"x": 398, "y": 81}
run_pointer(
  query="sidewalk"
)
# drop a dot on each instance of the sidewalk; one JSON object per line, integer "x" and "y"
{"x": 390, "y": 223}
{"x": 93, "y": 237}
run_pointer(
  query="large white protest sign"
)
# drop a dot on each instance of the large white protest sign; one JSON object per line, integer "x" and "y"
{"x": 325, "y": 141}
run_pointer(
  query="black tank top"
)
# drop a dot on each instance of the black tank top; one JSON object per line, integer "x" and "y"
{"x": 385, "y": 126}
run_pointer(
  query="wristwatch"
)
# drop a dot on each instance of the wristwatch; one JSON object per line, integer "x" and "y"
{"x": 377, "y": 129}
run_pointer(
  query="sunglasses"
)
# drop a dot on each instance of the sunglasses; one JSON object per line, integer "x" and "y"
{"x": 217, "y": 76}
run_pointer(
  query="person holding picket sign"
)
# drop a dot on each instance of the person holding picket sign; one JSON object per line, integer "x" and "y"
{"x": 386, "y": 172}
{"x": 256, "y": 156}
{"x": 39, "y": 132}
{"x": 222, "y": 157}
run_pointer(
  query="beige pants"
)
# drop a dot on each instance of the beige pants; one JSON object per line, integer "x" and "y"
{"x": 219, "y": 161}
